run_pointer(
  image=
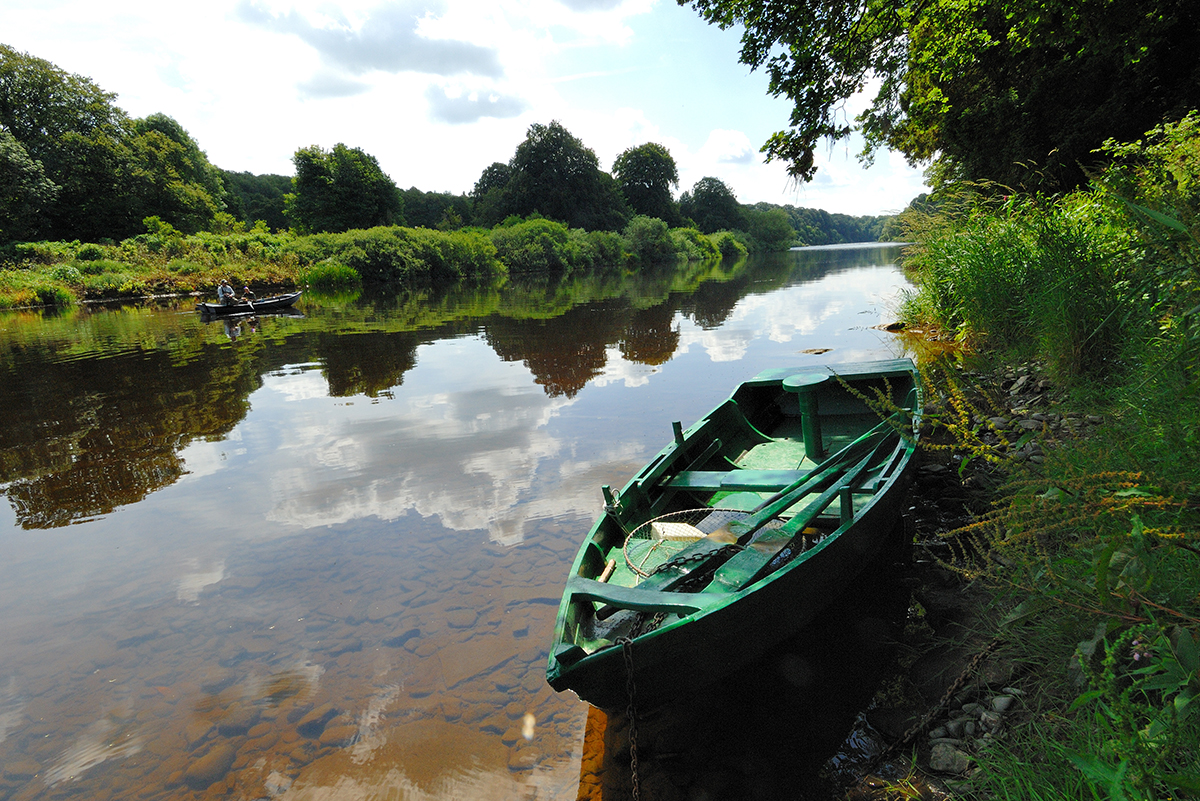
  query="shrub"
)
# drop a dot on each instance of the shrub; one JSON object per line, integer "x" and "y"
{"x": 330, "y": 275}
{"x": 54, "y": 296}
{"x": 66, "y": 273}
{"x": 729, "y": 245}
{"x": 184, "y": 267}
{"x": 649, "y": 241}
{"x": 533, "y": 245}
{"x": 112, "y": 285}
{"x": 90, "y": 252}
{"x": 606, "y": 247}
{"x": 1033, "y": 276}
{"x": 694, "y": 245}
{"x": 450, "y": 255}
{"x": 44, "y": 252}
{"x": 102, "y": 266}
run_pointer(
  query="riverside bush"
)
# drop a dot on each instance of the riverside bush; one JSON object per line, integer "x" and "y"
{"x": 729, "y": 245}
{"x": 649, "y": 241}
{"x": 536, "y": 245}
{"x": 694, "y": 245}
{"x": 389, "y": 254}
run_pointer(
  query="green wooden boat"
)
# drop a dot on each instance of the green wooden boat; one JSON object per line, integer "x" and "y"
{"x": 738, "y": 533}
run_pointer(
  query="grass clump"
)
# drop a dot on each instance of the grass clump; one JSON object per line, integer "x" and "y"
{"x": 330, "y": 276}
{"x": 1034, "y": 276}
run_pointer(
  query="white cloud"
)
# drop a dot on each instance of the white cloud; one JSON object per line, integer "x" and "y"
{"x": 461, "y": 108}
{"x": 387, "y": 39}
{"x": 438, "y": 90}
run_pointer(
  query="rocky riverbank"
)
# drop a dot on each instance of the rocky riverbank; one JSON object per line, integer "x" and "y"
{"x": 956, "y": 690}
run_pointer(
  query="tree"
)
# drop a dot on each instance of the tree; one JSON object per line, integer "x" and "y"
{"x": 1003, "y": 90}
{"x": 770, "y": 228}
{"x": 435, "y": 209}
{"x": 495, "y": 177}
{"x": 24, "y": 191}
{"x": 556, "y": 175}
{"x": 171, "y": 177}
{"x": 645, "y": 175}
{"x": 341, "y": 189}
{"x": 250, "y": 198}
{"x": 111, "y": 171}
{"x": 712, "y": 206}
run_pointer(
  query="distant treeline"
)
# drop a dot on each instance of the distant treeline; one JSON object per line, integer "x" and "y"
{"x": 75, "y": 167}
{"x": 261, "y": 197}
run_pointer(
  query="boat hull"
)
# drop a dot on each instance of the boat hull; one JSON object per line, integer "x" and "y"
{"x": 274, "y": 303}
{"x": 731, "y": 624}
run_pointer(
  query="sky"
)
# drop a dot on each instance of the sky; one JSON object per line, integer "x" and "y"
{"x": 437, "y": 91}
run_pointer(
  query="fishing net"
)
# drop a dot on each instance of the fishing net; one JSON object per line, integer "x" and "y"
{"x": 657, "y": 541}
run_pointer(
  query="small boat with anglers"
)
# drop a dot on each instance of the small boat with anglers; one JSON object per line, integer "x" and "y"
{"x": 273, "y": 303}
{"x": 739, "y": 532}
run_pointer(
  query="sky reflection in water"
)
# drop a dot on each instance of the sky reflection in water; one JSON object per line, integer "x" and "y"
{"x": 295, "y": 590}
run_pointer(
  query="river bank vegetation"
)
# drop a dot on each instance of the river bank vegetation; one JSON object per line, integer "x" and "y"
{"x": 1091, "y": 546}
{"x": 95, "y": 204}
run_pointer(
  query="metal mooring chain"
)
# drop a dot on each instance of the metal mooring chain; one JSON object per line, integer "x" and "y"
{"x": 937, "y": 708}
{"x": 626, "y": 644}
{"x": 644, "y": 624}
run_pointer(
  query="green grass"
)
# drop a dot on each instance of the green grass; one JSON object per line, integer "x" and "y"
{"x": 1100, "y": 544}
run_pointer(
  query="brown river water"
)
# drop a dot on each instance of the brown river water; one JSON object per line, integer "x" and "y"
{"x": 319, "y": 556}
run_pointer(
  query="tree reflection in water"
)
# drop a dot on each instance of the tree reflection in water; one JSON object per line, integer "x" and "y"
{"x": 99, "y": 404}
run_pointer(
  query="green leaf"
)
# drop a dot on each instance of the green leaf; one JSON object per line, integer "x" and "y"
{"x": 1158, "y": 217}
{"x": 1112, "y": 779}
{"x": 1186, "y": 651}
{"x": 1022, "y": 612}
{"x": 1180, "y": 781}
{"x": 1085, "y": 699}
{"x": 1103, "y": 561}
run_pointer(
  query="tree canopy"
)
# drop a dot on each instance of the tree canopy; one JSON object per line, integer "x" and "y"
{"x": 712, "y": 205}
{"x": 340, "y": 189}
{"x": 250, "y": 198}
{"x": 1014, "y": 91}
{"x": 645, "y": 175}
{"x": 554, "y": 174}
{"x": 101, "y": 172}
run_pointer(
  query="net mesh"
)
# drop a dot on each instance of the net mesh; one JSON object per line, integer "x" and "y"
{"x": 656, "y": 541}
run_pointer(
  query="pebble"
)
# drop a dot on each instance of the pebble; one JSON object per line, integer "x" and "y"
{"x": 945, "y": 758}
{"x": 974, "y": 710}
{"x": 1001, "y": 703}
{"x": 212, "y": 766}
{"x": 338, "y": 735}
{"x": 954, "y": 741}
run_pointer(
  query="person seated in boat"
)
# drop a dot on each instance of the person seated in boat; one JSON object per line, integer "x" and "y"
{"x": 225, "y": 293}
{"x": 247, "y": 294}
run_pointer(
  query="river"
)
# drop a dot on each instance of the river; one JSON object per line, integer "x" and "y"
{"x": 320, "y": 556}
